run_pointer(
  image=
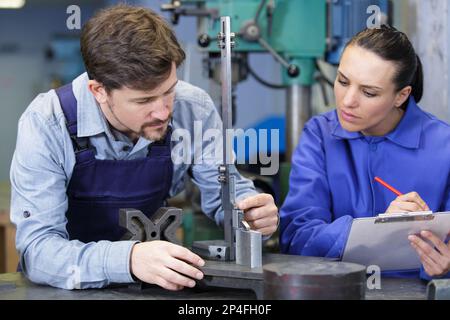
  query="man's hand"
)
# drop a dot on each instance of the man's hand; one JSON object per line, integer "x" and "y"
{"x": 410, "y": 202}
{"x": 165, "y": 264}
{"x": 260, "y": 212}
{"x": 436, "y": 261}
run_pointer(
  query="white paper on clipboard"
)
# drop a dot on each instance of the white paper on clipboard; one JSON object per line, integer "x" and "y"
{"x": 383, "y": 240}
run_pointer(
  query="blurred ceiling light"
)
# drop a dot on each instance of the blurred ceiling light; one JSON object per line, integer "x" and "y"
{"x": 11, "y": 4}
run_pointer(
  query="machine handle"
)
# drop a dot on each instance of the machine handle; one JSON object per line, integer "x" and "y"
{"x": 292, "y": 69}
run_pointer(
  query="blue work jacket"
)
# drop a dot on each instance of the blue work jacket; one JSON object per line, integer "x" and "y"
{"x": 332, "y": 178}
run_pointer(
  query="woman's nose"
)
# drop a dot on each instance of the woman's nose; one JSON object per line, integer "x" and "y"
{"x": 350, "y": 99}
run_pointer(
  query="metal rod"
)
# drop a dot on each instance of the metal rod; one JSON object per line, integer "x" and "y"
{"x": 225, "y": 43}
{"x": 272, "y": 51}
{"x": 297, "y": 113}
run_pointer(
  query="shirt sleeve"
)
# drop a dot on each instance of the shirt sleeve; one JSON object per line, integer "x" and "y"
{"x": 447, "y": 197}
{"x": 307, "y": 226}
{"x": 446, "y": 207}
{"x": 38, "y": 207}
{"x": 205, "y": 168}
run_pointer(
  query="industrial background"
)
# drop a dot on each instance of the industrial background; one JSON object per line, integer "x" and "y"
{"x": 38, "y": 52}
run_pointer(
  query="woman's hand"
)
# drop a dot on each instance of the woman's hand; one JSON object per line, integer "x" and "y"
{"x": 410, "y": 202}
{"x": 435, "y": 260}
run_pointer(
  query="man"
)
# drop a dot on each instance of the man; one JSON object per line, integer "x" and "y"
{"x": 103, "y": 143}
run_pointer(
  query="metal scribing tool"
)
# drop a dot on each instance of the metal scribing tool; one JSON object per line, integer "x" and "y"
{"x": 240, "y": 244}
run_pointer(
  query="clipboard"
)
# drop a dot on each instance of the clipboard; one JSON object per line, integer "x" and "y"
{"x": 383, "y": 240}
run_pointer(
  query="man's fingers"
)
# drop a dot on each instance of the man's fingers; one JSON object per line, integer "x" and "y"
{"x": 261, "y": 213}
{"x": 180, "y": 252}
{"x": 267, "y": 231}
{"x": 165, "y": 264}
{"x": 258, "y": 200}
{"x": 257, "y": 214}
{"x": 263, "y": 223}
{"x": 266, "y": 227}
{"x": 176, "y": 278}
{"x": 165, "y": 284}
{"x": 184, "y": 268}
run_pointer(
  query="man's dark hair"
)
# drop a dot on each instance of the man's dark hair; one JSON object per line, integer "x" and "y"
{"x": 129, "y": 46}
{"x": 392, "y": 45}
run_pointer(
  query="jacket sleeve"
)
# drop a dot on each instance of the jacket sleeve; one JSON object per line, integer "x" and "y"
{"x": 447, "y": 197}
{"x": 307, "y": 226}
{"x": 446, "y": 207}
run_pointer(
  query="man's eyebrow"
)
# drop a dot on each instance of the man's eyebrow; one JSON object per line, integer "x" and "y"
{"x": 364, "y": 86}
{"x": 150, "y": 97}
{"x": 173, "y": 86}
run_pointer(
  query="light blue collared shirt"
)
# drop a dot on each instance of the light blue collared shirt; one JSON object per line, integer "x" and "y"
{"x": 42, "y": 166}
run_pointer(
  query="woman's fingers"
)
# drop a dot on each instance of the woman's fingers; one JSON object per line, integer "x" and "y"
{"x": 410, "y": 202}
{"x": 415, "y": 198}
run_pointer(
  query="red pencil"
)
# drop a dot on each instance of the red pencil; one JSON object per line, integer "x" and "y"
{"x": 398, "y": 193}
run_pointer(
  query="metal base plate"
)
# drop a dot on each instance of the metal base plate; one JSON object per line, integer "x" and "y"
{"x": 228, "y": 274}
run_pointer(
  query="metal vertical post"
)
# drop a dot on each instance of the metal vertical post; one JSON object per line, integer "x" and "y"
{"x": 225, "y": 44}
{"x": 297, "y": 114}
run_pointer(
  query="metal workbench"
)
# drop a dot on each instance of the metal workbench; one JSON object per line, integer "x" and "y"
{"x": 14, "y": 286}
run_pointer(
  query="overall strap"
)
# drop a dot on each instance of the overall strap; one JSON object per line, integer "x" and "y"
{"x": 162, "y": 147}
{"x": 69, "y": 107}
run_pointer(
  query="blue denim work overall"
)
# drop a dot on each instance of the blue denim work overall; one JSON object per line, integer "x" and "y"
{"x": 99, "y": 188}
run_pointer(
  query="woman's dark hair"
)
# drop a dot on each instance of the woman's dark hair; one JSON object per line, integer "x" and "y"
{"x": 393, "y": 45}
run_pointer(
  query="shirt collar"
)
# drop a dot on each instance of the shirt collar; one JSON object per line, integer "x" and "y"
{"x": 90, "y": 119}
{"x": 406, "y": 134}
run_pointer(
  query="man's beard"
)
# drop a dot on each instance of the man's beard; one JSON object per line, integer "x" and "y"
{"x": 156, "y": 134}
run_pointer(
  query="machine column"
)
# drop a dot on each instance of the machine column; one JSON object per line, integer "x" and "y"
{"x": 297, "y": 113}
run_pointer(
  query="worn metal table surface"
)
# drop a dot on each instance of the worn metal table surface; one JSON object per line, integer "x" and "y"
{"x": 14, "y": 286}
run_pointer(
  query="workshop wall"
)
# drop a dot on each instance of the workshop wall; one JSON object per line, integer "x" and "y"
{"x": 25, "y": 70}
{"x": 430, "y": 32}
{"x": 427, "y": 23}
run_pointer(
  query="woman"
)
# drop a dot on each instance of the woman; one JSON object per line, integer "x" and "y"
{"x": 377, "y": 129}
